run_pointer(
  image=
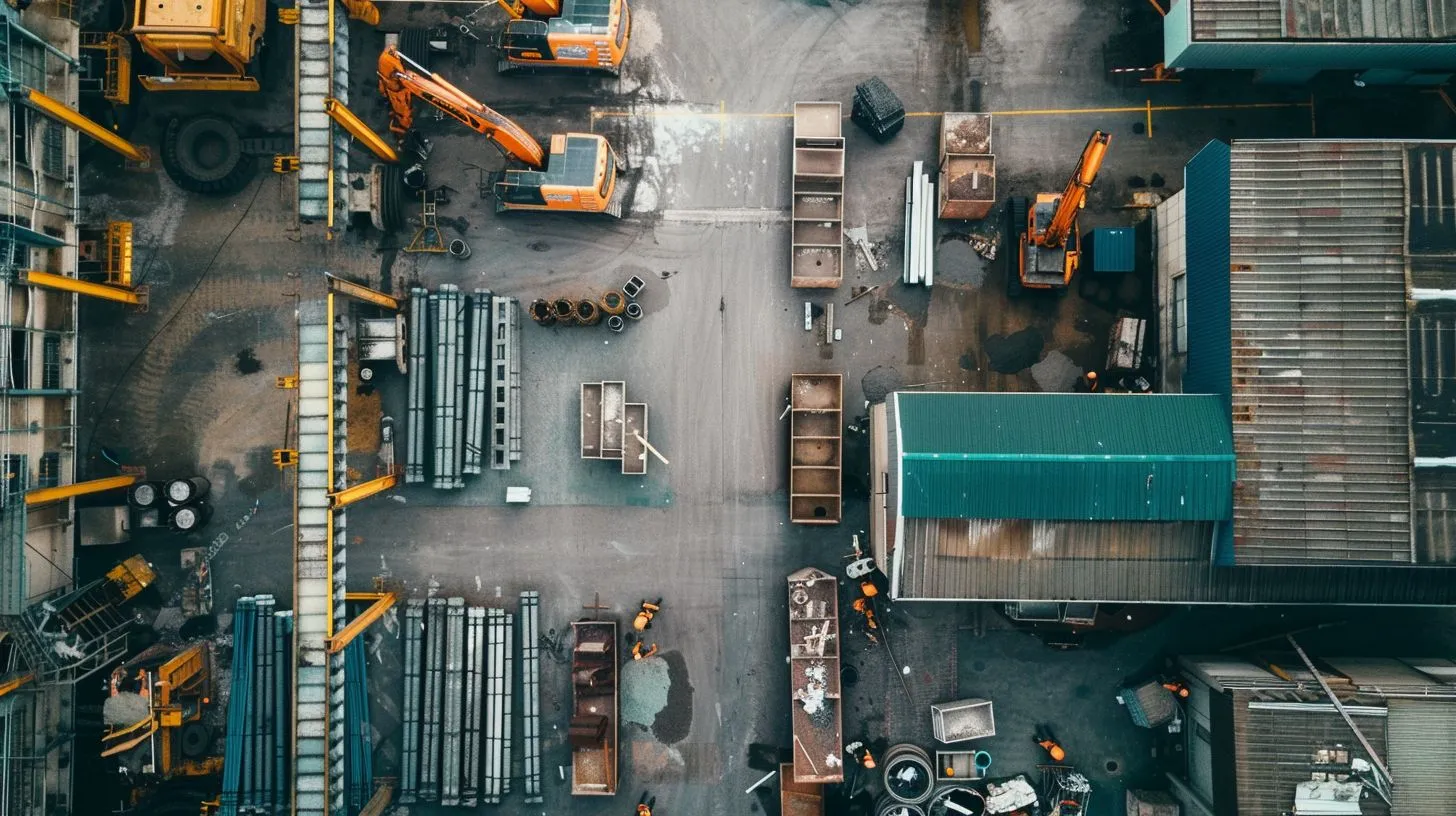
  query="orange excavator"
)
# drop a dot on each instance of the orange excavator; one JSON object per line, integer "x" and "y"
{"x": 578, "y": 174}
{"x": 1047, "y": 231}
{"x": 588, "y": 35}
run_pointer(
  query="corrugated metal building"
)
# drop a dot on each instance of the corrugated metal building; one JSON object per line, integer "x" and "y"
{"x": 1048, "y": 496}
{"x": 1310, "y": 284}
{"x": 1253, "y": 737}
{"x": 1393, "y": 42}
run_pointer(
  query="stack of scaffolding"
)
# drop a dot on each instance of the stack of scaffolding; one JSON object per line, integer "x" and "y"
{"x": 255, "y": 768}
{"x": 459, "y": 675}
{"x": 464, "y": 386}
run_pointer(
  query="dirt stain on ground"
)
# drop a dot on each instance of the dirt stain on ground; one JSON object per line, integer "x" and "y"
{"x": 247, "y": 362}
{"x": 1010, "y": 353}
{"x": 675, "y": 719}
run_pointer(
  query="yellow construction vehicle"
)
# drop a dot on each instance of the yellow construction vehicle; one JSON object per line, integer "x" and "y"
{"x": 155, "y": 715}
{"x": 202, "y": 45}
{"x": 578, "y": 174}
{"x": 1047, "y": 231}
{"x": 576, "y": 34}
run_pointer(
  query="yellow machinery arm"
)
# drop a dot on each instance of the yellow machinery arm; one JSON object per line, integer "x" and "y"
{"x": 1075, "y": 194}
{"x": 401, "y": 80}
{"x": 44, "y": 495}
{"x": 71, "y": 119}
{"x": 360, "y": 131}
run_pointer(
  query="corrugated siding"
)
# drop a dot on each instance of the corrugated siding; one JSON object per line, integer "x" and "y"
{"x": 1364, "y": 20}
{"x": 1321, "y": 402}
{"x": 1064, "y": 456}
{"x": 1320, "y": 55}
{"x": 1358, "y": 20}
{"x": 12, "y": 554}
{"x": 1113, "y": 249}
{"x": 1018, "y": 560}
{"x": 1206, "y": 238}
{"x": 1237, "y": 19}
{"x": 1421, "y": 733}
{"x": 1274, "y": 751}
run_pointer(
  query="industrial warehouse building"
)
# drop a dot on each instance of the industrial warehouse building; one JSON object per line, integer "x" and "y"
{"x": 1305, "y": 290}
{"x": 1393, "y": 42}
{"x": 1264, "y": 738}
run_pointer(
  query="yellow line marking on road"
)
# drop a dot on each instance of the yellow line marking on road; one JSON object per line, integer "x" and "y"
{"x": 1150, "y": 119}
{"x": 1147, "y": 109}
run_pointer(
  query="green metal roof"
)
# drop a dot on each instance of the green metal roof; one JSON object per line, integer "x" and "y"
{"x": 1145, "y": 457}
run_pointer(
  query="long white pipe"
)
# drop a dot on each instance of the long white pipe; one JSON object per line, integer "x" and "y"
{"x": 929, "y": 234}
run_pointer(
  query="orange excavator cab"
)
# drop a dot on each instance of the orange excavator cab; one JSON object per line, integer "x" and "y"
{"x": 577, "y": 173}
{"x": 1048, "y": 234}
{"x": 589, "y": 35}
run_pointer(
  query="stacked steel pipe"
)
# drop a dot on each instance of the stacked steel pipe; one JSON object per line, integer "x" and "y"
{"x": 459, "y": 676}
{"x": 462, "y": 349}
{"x": 255, "y": 767}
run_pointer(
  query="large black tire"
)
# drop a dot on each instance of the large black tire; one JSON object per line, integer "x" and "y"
{"x": 391, "y": 198}
{"x": 196, "y": 740}
{"x": 204, "y": 154}
{"x": 415, "y": 44}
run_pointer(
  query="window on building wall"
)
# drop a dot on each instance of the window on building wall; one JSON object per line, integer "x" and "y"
{"x": 14, "y": 473}
{"x": 50, "y": 470}
{"x": 20, "y": 134}
{"x": 1180, "y": 314}
{"x": 53, "y": 138}
{"x": 19, "y": 359}
{"x": 51, "y": 362}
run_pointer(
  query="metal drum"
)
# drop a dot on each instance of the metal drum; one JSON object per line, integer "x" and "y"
{"x": 182, "y": 491}
{"x": 908, "y": 775}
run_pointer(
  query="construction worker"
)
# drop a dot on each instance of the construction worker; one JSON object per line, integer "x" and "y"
{"x": 860, "y": 752}
{"x": 1044, "y": 738}
{"x": 638, "y": 654}
{"x": 1177, "y": 687}
{"x": 1090, "y": 383}
{"x": 645, "y": 805}
{"x": 645, "y": 615}
{"x": 864, "y": 607}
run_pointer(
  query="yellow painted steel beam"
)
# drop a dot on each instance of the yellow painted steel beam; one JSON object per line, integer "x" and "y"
{"x": 58, "y": 111}
{"x": 13, "y": 683}
{"x": 364, "y": 490}
{"x": 204, "y": 82}
{"x": 51, "y": 494}
{"x": 379, "y": 801}
{"x": 362, "y": 10}
{"x": 99, "y": 290}
{"x": 382, "y": 602}
{"x": 360, "y": 130}
{"x": 359, "y": 291}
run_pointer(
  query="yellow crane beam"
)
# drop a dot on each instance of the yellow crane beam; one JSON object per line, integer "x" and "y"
{"x": 382, "y": 602}
{"x": 362, "y": 10}
{"x": 379, "y": 801}
{"x": 359, "y": 130}
{"x": 14, "y": 682}
{"x": 134, "y": 297}
{"x": 363, "y": 490}
{"x": 359, "y": 291}
{"x": 45, "y": 495}
{"x": 58, "y": 111}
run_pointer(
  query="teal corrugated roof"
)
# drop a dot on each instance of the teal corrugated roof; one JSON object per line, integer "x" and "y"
{"x": 1148, "y": 457}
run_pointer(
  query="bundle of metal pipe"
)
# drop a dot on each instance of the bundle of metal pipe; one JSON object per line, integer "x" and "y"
{"x": 476, "y": 386}
{"x": 419, "y": 378}
{"x": 447, "y": 312}
{"x": 255, "y": 774}
{"x": 458, "y": 702}
{"x": 530, "y": 615}
{"x": 505, "y": 372}
{"x": 360, "y": 760}
{"x": 920, "y": 209}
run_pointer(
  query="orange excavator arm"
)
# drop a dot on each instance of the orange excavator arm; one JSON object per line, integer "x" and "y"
{"x": 402, "y": 80}
{"x": 1075, "y": 194}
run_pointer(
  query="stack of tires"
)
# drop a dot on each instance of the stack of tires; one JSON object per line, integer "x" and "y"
{"x": 179, "y": 503}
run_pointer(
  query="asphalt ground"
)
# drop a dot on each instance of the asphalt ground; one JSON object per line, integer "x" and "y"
{"x": 701, "y": 113}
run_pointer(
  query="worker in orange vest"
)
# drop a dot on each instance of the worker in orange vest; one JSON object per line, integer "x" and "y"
{"x": 638, "y": 654}
{"x": 645, "y": 805}
{"x": 1044, "y": 738}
